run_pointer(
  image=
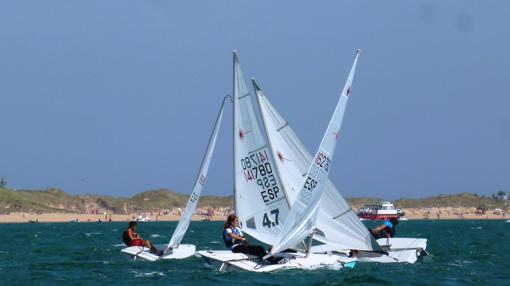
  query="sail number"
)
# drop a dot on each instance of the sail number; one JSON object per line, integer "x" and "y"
{"x": 267, "y": 222}
{"x": 193, "y": 198}
{"x": 317, "y": 172}
{"x": 258, "y": 169}
{"x": 310, "y": 184}
{"x": 323, "y": 161}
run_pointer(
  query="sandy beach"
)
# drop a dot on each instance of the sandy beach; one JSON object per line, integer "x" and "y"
{"x": 451, "y": 213}
{"x": 448, "y": 213}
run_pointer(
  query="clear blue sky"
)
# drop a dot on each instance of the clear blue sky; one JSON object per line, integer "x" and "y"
{"x": 119, "y": 97}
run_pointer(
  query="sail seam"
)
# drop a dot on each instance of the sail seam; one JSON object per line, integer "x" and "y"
{"x": 256, "y": 150}
{"x": 275, "y": 201}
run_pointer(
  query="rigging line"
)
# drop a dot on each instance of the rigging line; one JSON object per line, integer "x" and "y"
{"x": 138, "y": 253}
{"x": 392, "y": 257}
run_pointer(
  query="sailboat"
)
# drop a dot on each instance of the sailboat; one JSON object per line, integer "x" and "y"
{"x": 174, "y": 249}
{"x": 298, "y": 223}
{"x": 260, "y": 203}
{"x": 338, "y": 227}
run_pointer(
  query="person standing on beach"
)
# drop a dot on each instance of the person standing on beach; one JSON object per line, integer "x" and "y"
{"x": 387, "y": 229}
{"x": 131, "y": 238}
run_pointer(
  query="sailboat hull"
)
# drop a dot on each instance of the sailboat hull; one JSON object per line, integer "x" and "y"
{"x": 400, "y": 250}
{"x": 181, "y": 252}
{"x": 238, "y": 261}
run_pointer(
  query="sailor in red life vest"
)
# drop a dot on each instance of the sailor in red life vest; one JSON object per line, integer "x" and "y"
{"x": 131, "y": 238}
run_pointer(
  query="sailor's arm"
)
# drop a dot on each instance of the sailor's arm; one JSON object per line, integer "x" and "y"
{"x": 133, "y": 235}
{"x": 235, "y": 236}
{"x": 380, "y": 228}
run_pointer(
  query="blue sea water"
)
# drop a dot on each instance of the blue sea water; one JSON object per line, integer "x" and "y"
{"x": 462, "y": 253}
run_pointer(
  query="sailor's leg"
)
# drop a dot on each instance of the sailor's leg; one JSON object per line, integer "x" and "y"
{"x": 256, "y": 250}
{"x": 151, "y": 246}
{"x": 250, "y": 249}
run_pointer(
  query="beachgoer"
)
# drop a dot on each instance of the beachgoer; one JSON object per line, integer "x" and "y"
{"x": 387, "y": 229}
{"x": 235, "y": 241}
{"x": 131, "y": 238}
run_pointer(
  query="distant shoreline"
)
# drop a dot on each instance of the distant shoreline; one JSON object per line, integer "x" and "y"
{"x": 23, "y": 217}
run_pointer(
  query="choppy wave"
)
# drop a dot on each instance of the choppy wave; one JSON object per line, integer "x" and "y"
{"x": 148, "y": 274}
{"x": 92, "y": 233}
{"x": 462, "y": 252}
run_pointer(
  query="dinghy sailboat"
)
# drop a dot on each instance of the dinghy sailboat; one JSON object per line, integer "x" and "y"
{"x": 174, "y": 249}
{"x": 302, "y": 219}
{"x": 303, "y": 216}
{"x": 338, "y": 226}
{"x": 260, "y": 205}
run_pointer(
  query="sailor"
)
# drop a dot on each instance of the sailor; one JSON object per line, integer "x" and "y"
{"x": 131, "y": 238}
{"x": 235, "y": 241}
{"x": 387, "y": 229}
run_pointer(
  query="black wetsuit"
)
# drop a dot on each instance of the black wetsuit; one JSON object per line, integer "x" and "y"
{"x": 239, "y": 246}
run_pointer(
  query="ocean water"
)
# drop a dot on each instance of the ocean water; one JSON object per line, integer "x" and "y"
{"x": 462, "y": 253}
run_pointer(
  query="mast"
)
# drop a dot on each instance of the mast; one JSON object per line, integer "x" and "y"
{"x": 183, "y": 224}
{"x": 234, "y": 99}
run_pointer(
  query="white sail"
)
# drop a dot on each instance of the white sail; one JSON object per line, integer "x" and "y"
{"x": 260, "y": 202}
{"x": 336, "y": 223}
{"x": 183, "y": 224}
{"x": 302, "y": 218}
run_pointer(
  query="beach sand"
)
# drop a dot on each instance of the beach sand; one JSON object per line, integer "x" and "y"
{"x": 448, "y": 213}
{"x": 451, "y": 213}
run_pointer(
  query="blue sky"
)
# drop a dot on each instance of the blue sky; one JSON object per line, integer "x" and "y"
{"x": 119, "y": 97}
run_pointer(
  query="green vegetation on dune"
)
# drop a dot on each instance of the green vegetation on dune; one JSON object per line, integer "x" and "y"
{"x": 38, "y": 201}
{"x": 55, "y": 200}
{"x": 458, "y": 200}
{"x": 358, "y": 202}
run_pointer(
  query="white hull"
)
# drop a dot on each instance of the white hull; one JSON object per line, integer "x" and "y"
{"x": 401, "y": 250}
{"x": 230, "y": 260}
{"x": 181, "y": 252}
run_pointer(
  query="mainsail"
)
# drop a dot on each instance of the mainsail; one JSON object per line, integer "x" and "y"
{"x": 260, "y": 202}
{"x": 334, "y": 221}
{"x": 183, "y": 224}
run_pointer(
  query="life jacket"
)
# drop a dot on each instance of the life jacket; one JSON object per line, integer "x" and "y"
{"x": 126, "y": 238}
{"x": 229, "y": 241}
